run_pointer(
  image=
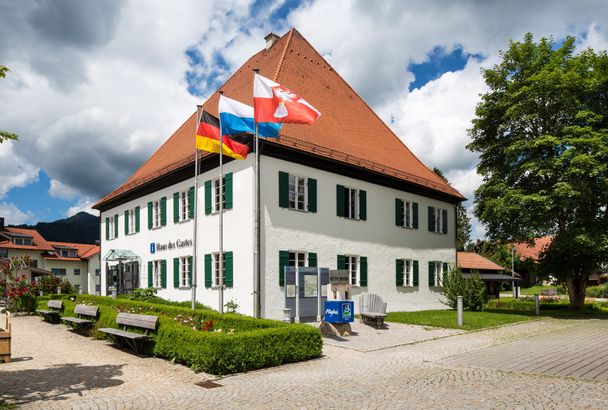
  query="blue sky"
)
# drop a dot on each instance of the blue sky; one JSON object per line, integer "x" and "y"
{"x": 136, "y": 73}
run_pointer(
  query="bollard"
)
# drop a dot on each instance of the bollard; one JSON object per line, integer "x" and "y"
{"x": 459, "y": 308}
{"x": 58, "y": 290}
{"x": 536, "y": 305}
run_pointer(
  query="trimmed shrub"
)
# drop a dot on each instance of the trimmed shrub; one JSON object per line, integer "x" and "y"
{"x": 237, "y": 343}
{"x": 472, "y": 290}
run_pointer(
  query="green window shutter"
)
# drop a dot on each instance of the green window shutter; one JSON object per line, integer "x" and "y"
{"x": 176, "y": 273}
{"x": 362, "y": 205}
{"x": 312, "y": 259}
{"x": 341, "y": 262}
{"x": 208, "y": 270}
{"x": 312, "y": 195}
{"x": 150, "y": 274}
{"x": 431, "y": 219}
{"x": 190, "y": 270}
{"x": 136, "y": 219}
{"x": 399, "y": 212}
{"x": 150, "y": 211}
{"x": 431, "y": 274}
{"x": 399, "y": 272}
{"x": 191, "y": 202}
{"x": 283, "y": 261}
{"x": 444, "y": 217}
{"x": 228, "y": 190}
{"x": 415, "y": 215}
{"x": 163, "y": 211}
{"x": 363, "y": 269}
{"x": 444, "y": 272}
{"x": 163, "y": 274}
{"x": 228, "y": 273}
{"x": 208, "y": 208}
{"x": 416, "y": 270}
{"x": 283, "y": 189}
{"x": 107, "y": 229}
{"x": 116, "y": 226}
{"x": 176, "y": 207}
{"x": 339, "y": 200}
{"x": 126, "y": 222}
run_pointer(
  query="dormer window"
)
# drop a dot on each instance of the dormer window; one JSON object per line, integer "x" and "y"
{"x": 68, "y": 253}
{"x": 23, "y": 241}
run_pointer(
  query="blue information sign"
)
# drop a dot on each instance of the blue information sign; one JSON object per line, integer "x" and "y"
{"x": 339, "y": 311}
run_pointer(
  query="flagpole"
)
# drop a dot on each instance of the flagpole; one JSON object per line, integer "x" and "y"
{"x": 257, "y": 306}
{"x": 221, "y": 200}
{"x": 195, "y": 206}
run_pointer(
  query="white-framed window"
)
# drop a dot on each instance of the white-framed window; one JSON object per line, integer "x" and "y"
{"x": 408, "y": 215}
{"x": 297, "y": 258}
{"x": 156, "y": 214}
{"x": 216, "y": 195}
{"x": 351, "y": 200}
{"x": 408, "y": 272}
{"x": 111, "y": 229}
{"x": 216, "y": 268}
{"x": 68, "y": 253}
{"x": 97, "y": 272}
{"x": 438, "y": 220}
{"x": 351, "y": 264}
{"x": 76, "y": 272}
{"x": 184, "y": 206}
{"x": 156, "y": 274}
{"x": 438, "y": 270}
{"x": 297, "y": 193}
{"x": 131, "y": 225}
{"x": 23, "y": 241}
{"x": 184, "y": 272}
{"x": 58, "y": 271}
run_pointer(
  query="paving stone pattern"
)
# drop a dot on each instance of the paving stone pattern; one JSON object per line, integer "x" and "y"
{"x": 55, "y": 368}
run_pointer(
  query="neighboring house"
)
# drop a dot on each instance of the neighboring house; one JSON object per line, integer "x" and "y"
{"x": 79, "y": 263}
{"x": 491, "y": 273}
{"x": 343, "y": 193}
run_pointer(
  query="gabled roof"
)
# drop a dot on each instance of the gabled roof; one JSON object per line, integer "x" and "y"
{"x": 39, "y": 243}
{"x": 526, "y": 251}
{"x": 474, "y": 261}
{"x": 84, "y": 250}
{"x": 348, "y": 131}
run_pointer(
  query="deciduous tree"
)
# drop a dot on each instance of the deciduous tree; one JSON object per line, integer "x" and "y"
{"x": 5, "y": 135}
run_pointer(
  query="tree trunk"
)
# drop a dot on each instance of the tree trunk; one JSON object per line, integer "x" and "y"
{"x": 577, "y": 285}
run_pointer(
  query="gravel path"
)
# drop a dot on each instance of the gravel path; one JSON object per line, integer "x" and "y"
{"x": 54, "y": 368}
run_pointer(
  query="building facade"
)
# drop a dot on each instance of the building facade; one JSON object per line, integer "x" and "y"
{"x": 79, "y": 263}
{"x": 327, "y": 200}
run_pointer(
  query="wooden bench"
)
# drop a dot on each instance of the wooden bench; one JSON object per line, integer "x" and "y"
{"x": 372, "y": 309}
{"x": 86, "y": 317}
{"x": 5, "y": 340}
{"x": 52, "y": 314}
{"x": 130, "y": 320}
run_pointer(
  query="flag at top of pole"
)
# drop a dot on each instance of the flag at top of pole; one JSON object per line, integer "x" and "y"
{"x": 274, "y": 103}
{"x": 237, "y": 118}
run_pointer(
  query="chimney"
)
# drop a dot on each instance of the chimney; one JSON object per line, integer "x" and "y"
{"x": 270, "y": 40}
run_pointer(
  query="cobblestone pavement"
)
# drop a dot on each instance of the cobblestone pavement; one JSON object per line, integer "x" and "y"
{"x": 71, "y": 371}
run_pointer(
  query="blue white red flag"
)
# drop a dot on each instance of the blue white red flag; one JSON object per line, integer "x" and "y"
{"x": 237, "y": 118}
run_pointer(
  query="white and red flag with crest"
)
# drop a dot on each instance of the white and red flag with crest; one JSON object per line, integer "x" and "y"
{"x": 274, "y": 103}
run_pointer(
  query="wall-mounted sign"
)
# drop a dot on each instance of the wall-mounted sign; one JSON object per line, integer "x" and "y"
{"x": 167, "y": 246}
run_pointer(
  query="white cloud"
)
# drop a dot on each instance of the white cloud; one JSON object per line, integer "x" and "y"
{"x": 15, "y": 171}
{"x": 83, "y": 205}
{"x": 59, "y": 190}
{"x": 13, "y": 215}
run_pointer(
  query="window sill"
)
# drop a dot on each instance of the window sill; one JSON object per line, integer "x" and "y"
{"x": 408, "y": 228}
{"x": 302, "y": 211}
{"x": 353, "y": 219}
{"x": 183, "y": 221}
{"x": 184, "y": 288}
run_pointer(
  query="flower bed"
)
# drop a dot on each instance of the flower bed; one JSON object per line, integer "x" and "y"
{"x": 206, "y": 340}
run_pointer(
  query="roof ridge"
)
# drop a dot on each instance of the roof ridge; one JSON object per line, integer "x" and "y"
{"x": 280, "y": 65}
{"x": 331, "y": 68}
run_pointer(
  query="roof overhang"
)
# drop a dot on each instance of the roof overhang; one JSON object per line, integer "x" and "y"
{"x": 493, "y": 277}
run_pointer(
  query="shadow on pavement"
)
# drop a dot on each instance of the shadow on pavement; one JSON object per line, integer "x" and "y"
{"x": 57, "y": 382}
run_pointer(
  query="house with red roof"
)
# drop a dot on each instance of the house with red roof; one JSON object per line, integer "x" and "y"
{"x": 344, "y": 193}
{"x": 490, "y": 272}
{"x": 77, "y": 262}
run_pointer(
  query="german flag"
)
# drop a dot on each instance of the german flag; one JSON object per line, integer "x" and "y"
{"x": 208, "y": 139}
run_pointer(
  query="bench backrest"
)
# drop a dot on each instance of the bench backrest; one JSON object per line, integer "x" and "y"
{"x": 548, "y": 292}
{"x": 55, "y": 304}
{"x": 369, "y": 302}
{"x": 86, "y": 310}
{"x": 133, "y": 320}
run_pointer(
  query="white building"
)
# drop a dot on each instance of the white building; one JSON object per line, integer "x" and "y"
{"x": 343, "y": 193}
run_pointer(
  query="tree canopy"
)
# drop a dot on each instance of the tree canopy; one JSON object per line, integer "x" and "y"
{"x": 542, "y": 134}
{"x": 463, "y": 222}
{"x": 5, "y": 135}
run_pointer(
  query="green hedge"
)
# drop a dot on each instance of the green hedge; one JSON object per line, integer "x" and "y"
{"x": 243, "y": 344}
{"x": 600, "y": 291}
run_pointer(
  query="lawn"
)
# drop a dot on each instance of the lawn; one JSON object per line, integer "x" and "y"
{"x": 497, "y": 313}
{"x": 535, "y": 290}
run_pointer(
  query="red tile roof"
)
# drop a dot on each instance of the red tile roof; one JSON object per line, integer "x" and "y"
{"x": 474, "y": 261}
{"x": 85, "y": 251}
{"x": 40, "y": 244}
{"x": 526, "y": 251}
{"x": 348, "y": 130}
